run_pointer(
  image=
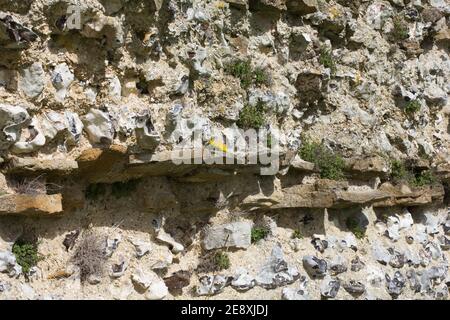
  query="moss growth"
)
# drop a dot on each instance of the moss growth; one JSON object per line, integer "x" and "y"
{"x": 400, "y": 29}
{"x": 95, "y": 190}
{"x": 412, "y": 107}
{"x": 327, "y": 60}
{"x": 259, "y": 234}
{"x": 331, "y": 165}
{"x": 221, "y": 260}
{"x": 242, "y": 69}
{"x": 26, "y": 254}
{"x": 124, "y": 189}
{"x": 252, "y": 116}
{"x": 297, "y": 234}
{"x": 353, "y": 225}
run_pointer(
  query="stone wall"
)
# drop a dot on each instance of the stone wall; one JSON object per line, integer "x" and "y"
{"x": 96, "y": 95}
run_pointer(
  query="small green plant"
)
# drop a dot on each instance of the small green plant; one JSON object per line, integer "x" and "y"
{"x": 327, "y": 60}
{"x": 261, "y": 76}
{"x": 297, "y": 234}
{"x": 252, "y": 116}
{"x": 124, "y": 189}
{"x": 95, "y": 190}
{"x": 258, "y": 234}
{"x": 412, "y": 106}
{"x": 331, "y": 165}
{"x": 221, "y": 260}
{"x": 425, "y": 178}
{"x": 399, "y": 172}
{"x": 400, "y": 29}
{"x": 353, "y": 225}
{"x": 26, "y": 254}
{"x": 242, "y": 69}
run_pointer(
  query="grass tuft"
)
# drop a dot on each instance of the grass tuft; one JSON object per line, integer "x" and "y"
{"x": 258, "y": 234}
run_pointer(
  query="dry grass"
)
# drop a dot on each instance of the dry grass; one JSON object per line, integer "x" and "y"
{"x": 89, "y": 255}
{"x": 32, "y": 186}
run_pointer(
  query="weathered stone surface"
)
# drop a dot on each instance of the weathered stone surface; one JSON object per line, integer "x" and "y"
{"x": 305, "y": 196}
{"x": 24, "y": 204}
{"x": 150, "y": 284}
{"x": 99, "y": 110}
{"x": 301, "y": 165}
{"x": 236, "y": 234}
{"x": 33, "y": 165}
{"x": 369, "y": 166}
{"x": 103, "y": 165}
{"x": 332, "y": 196}
{"x": 302, "y": 7}
{"x": 32, "y": 80}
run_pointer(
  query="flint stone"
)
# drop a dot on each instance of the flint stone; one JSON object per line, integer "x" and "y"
{"x": 32, "y": 80}
{"x": 380, "y": 253}
{"x": 166, "y": 238}
{"x": 329, "y": 287}
{"x": 142, "y": 247}
{"x": 212, "y": 285}
{"x": 118, "y": 269}
{"x": 12, "y": 119}
{"x": 149, "y": 282}
{"x": 414, "y": 281}
{"x": 242, "y": 280}
{"x": 354, "y": 287}
{"x": 62, "y": 77}
{"x": 99, "y": 127}
{"x": 276, "y": 272}
{"x": 296, "y": 294}
{"x": 338, "y": 266}
{"x": 9, "y": 264}
{"x": 112, "y": 243}
{"x": 396, "y": 284}
{"x": 315, "y": 267}
{"x": 357, "y": 264}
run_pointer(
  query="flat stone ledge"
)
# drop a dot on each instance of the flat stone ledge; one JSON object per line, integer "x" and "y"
{"x": 25, "y": 204}
{"x": 32, "y": 165}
